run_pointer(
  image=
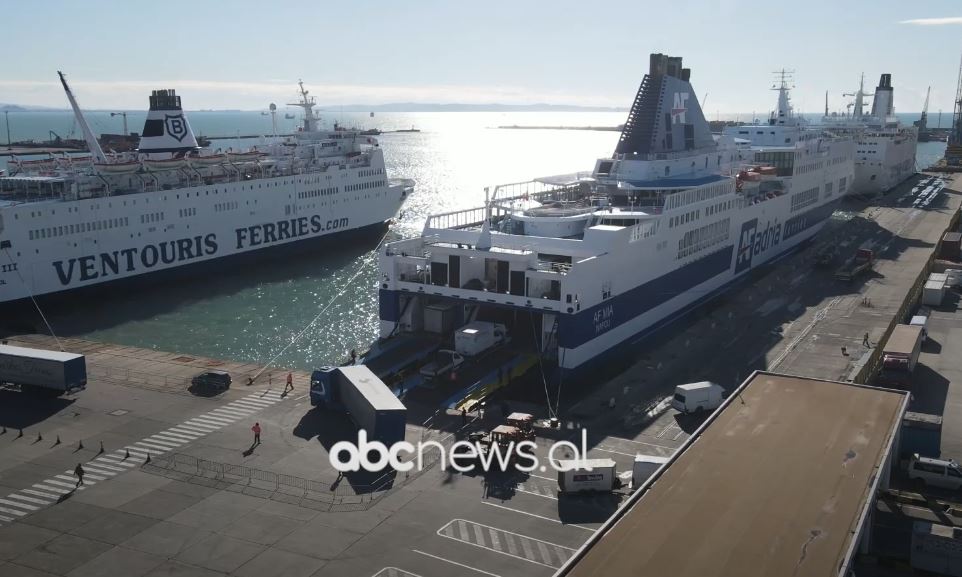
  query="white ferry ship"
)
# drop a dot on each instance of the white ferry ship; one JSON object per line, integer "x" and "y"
{"x": 576, "y": 267}
{"x": 71, "y": 222}
{"x": 884, "y": 148}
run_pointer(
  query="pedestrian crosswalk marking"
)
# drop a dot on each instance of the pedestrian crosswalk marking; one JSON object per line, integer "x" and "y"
{"x": 394, "y": 572}
{"x": 503, "y": 542}
{"x": 106, "y": 466}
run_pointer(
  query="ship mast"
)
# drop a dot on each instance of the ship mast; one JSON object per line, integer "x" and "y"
{"x": 307, "y": 103}
{"x": 783, "y": 113}
{"x": 89, "y": 138}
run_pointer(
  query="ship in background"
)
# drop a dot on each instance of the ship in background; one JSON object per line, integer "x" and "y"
{"x": 74, "y": 222}
{"x": 885, "y": 148}
{"x": 577, "y": 267}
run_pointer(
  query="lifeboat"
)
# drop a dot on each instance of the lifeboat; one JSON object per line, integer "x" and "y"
{"x": 208, "y": 160}
{"x": 120, "y": 167}
{"x": 38, "y": 164}
{"x": 240, "y": 157}
{"x": 165, "y": 164}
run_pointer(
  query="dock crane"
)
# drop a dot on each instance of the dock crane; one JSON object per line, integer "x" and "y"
{"x": 953, "y": 152}
{"x": 922, "y": 122}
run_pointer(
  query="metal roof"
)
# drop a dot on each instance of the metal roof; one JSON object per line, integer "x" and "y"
{"x": 778, "y": 481}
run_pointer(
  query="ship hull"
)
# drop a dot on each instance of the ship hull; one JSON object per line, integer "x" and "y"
{"x": 60, "y": 247}
{"x": 362, "y": 239}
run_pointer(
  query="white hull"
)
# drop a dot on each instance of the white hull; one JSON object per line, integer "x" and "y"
{"x": 884, "y": 161}
{"x": 62, "y": 245}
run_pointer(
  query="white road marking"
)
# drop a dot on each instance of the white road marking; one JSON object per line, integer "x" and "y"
{"x": 173, "y": 438}
{"x": 40, "y": 494}
{"x": 538, "y": 516}
{"x": 29, "y": 499}
{"x": 25, "y": 506}
{"x": 234, "y": 412}
{"x": 394, "y": 572}
{"x": 163, "y": 442}
{"x": 544, "y": 548}
{"x": 157, "y": 448}
{"x": 185, "y": 429}
{"x": 51, "y": 488}
{"x": 642, "y": 443}
{"x": 214, "y": 420}
{"x": 13, "y": 512}
{"x": 102, "y": 464}
{"x": 481, "y": 571}
{"x": 5, "y": 518}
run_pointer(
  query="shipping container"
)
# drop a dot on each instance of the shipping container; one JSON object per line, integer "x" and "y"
{"x": 933, "y": 293}
{"x": 951, "y": 243}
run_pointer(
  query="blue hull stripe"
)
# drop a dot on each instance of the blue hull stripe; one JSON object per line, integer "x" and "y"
{"x": 585, "y": 369}
{"x": 576, "y": 330}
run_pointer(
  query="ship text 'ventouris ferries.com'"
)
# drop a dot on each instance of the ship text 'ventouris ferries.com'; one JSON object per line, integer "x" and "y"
{"x": 576, "y": 266}
{"x": 70, "y": 222}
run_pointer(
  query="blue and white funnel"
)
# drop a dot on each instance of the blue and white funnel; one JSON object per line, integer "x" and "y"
{"x": 665, "y": 116}
{"x": 166, "y": 128}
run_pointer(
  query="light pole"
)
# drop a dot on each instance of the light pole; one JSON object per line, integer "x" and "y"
{"x": 6, "y": 117}
{"x": 124, "y": 114}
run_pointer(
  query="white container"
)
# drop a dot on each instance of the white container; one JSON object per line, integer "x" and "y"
{"x": 696, "y": 397}
{"x": 644, "y": 467}
{"x": 586, "y": 475}
{"x": 921, "y": 321}
{"x": 475, "y": 338}
{"x": 933, "y": 292}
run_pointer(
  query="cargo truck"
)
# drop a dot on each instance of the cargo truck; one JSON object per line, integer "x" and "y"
{"x": 579, "y": 476}
{"x": 42, "y": 372}
{"x": 900, "y": 354}
{"x": 364, "y": 397}
{"x": 862, "y": 262}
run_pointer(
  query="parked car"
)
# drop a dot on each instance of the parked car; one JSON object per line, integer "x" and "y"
{"x": 444, "y": 361}
{"x": 212, "y": 379}
{"x": 936, "y": 472}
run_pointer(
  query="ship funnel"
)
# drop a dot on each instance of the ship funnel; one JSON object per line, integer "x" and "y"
{"x": 883, "y": 106}
{"x": 166, "y": 128}
{"x": 665, "y": 116}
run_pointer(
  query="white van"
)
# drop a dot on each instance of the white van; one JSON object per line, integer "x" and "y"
{"x": 697, "y": 397}
{"x": 921, "y": 321}
{"x": 936, "y": 472}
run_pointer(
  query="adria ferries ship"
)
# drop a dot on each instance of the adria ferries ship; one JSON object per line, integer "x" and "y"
{"x": 69, "y": 222}
{"x": 576, "y": 266}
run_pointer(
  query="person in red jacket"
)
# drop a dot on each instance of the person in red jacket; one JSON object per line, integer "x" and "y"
{"x": 257, "y": 433}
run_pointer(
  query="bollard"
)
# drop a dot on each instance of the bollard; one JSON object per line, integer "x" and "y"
{"x": 57, "y": 442}
{"x": 127, "y": 454}
{"x": 101, "y": 452}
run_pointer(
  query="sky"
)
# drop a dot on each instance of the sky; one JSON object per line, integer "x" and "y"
{"x": 245, "y": 54}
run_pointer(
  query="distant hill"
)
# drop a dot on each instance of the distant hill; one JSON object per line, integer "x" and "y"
{"x": 23, "y": 108}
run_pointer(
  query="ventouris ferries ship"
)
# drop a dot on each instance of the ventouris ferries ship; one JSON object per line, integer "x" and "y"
{"x": 578, "y": 266}
{"x": 74, "y": 222}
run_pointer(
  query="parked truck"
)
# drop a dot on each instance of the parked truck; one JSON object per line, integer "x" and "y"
{"x": 477, "y": 337}
{"x": 364, "y": 397}
{"x": 587, "y": 475}
{"x": 42, "y": 372}
{"x": 900, "y": 354}
{"x": 862, "y": 262}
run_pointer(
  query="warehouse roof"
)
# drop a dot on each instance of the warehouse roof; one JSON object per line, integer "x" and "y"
{"x": 776, "y": 482}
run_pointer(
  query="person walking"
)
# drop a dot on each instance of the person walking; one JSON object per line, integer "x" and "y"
{"x": 290, "y": 383}
{"x": 257, "y": 434}
{"x": 79, "y": 471}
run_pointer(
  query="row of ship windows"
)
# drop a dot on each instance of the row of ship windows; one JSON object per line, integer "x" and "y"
{"x": 372, "y": 172}
{"x": 225, "y": 206}
{"x": 152, "y": 217}
{"x": 704, "y": 237}
{"x": 55, "y": 231}
{"x": 719, "y": 207}
{"x": 364, "y": 185}
{"x": 805, "y": 198}
{"x": 693, "y": 195}
{"x": 866, "y": 151}
{"x": 187, "y": 212}
{"x": 684, "y": 218}
{"x": 317, "y": 192}
{"x": 809, "y": 167}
